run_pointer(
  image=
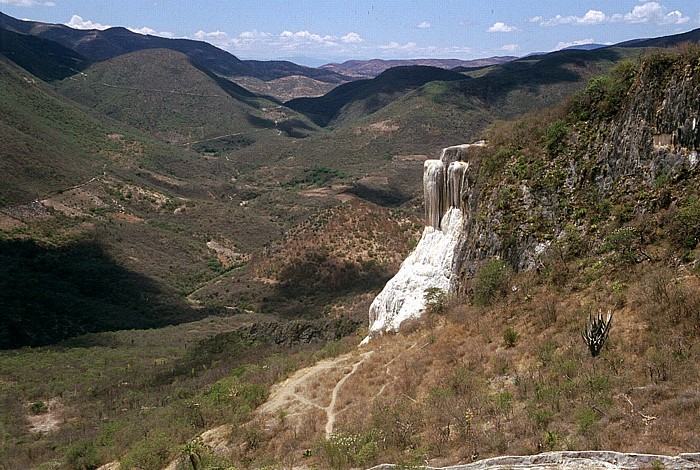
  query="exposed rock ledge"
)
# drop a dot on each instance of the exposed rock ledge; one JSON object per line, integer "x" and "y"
{"x": 576, "y": 461}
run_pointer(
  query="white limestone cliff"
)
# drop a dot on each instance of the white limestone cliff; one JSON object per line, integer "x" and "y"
{"x": 431, "y": 262}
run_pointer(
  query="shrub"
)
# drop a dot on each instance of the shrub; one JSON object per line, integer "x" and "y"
{"x": 555, "y": 138}
{"x": 149, "y": 453}
{"x": 38, "y": 407}
{"x": 81, "y": 455}
{"x": 435, "y": 299}
{"x": 348, "y": 450}
{"x": 510, "y": 337}
{"x": 491, "y": 282}
{"x": 686, "y": 223}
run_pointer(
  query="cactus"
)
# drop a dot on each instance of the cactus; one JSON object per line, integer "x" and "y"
{"x": 596, "y": 332}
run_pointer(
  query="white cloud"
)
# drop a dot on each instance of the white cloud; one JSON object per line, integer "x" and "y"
{"x": 648, "y": 12}
{"x": 510, "y": 47}
{"x": 424, "y": 25}
{"x": 651, "y": 12}
{"x": 78, "y": 22}
{"x": 27, "y": 3}
{"x": 395, "y": 46}
{"x": 152, "y": 32}
{"x": 500, "y": 27}
{"x": 591, "y": 17}
{"x": 306, "y": 37}
{"x": 352, "y": 38}
{"x": 580, "y": 42}
{"x": 216, "y": 38}
{"x": 254, "y": 35}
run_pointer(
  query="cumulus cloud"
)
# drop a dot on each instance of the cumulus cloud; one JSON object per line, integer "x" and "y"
{"x": 651, "y": 12}
{"x": 254, "y": 35}
{"x": 424, "y": 25}
{"x": 352, "y": 38}
{"x": 395, "y": 46}
{"x": 500, "y": 27}
{"x": 217, "y": 38}
{"x": 151, "y": 32}
{"x": 591, "y": 17}
{"x": 27, "y": 3}
{"x": 78, "y": 22}
{"x": 510, "y": 47}
{"x": 648, "y": 12}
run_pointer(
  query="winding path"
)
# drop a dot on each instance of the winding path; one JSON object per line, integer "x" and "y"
{"x": 289, "y": 397}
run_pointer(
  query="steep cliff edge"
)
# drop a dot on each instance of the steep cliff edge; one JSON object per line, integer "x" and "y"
{"x": 431, "y": 263}
{"x": 587, "y": 177}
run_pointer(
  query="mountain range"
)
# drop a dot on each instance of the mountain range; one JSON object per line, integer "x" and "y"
{"x": 181, "y": 229}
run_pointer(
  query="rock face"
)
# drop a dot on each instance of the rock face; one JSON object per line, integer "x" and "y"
{"x": 653, "y": 136}
{"x": 528, "y": 202}
{"x": 431, "y": 263}
{"x": 583, "y": 460}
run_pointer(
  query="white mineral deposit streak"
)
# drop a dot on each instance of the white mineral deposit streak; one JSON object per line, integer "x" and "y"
{"x": 430, "y": 264}
{"x": 433, "y": 184}
{"x": 456, "y": 175}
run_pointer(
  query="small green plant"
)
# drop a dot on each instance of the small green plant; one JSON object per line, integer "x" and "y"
{"x": 435, "y": 300}
{"x": 38, "y": 407}
{"x": 491, "y": 282}
{"x": 510, "y": 337}
{"x": 193, "y": 451}
{"x": 555, "y": 138}
{"x": 586, "y": 420}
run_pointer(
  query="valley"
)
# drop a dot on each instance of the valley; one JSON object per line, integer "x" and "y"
{"x": 190, "y": 244}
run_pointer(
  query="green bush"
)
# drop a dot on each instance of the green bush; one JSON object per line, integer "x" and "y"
{"x": 435, "y": 300}
{"x": 555, "y": 138}
{"x": 81, "y": 455}
{"x": 38, "y": 407}
{"x": 491, "y": 282}
{"x": 510, "y": 337}
{"x": 686, "y": 223}
{"x": 149, "y": 453}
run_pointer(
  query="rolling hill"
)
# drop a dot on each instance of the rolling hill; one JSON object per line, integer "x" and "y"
{"x": 363, "y": 97}
{"x": 165, "y": 93}
{"x": 98, "y": 45}
{"x": 372, "y": 68}
{"x": 45, "y": 59}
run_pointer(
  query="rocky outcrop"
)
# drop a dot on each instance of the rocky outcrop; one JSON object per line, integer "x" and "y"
{"x": 652, "y": 135}
{"x": 657, "y": 132}
{"x": 430, "y": 265}
{"x": 583, "y": 460}
{"x": 530, "y": 198}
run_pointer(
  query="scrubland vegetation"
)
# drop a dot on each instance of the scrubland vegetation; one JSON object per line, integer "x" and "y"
{"x": 498, "y": 367}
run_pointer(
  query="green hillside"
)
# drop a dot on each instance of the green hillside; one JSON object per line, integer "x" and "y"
{"x": 100, "y": 45}
{"x": 163, "y": 93}
{"x": 45, "y": 59}
{"x": 357, "y": 99}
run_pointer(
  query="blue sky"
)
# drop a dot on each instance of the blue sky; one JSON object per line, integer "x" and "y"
{"x": 337, "y": 30}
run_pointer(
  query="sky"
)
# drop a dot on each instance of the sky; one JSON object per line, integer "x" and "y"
{"x": 314, "y": 32}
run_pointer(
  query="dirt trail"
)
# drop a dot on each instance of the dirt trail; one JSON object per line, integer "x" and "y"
{"x": 320, "y": 387}
{"x": 300, "y": 393}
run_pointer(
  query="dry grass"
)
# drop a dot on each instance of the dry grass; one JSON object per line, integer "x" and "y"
{"x": 444, "y": 392}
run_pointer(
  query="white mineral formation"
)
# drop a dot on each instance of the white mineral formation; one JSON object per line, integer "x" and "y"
{"x": 430, "y": 264}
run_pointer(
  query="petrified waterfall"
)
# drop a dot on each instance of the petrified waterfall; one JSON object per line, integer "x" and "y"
{"x": 431, "y": 263}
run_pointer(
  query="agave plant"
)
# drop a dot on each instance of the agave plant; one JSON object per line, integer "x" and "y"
{"x": 596, "y": 332}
